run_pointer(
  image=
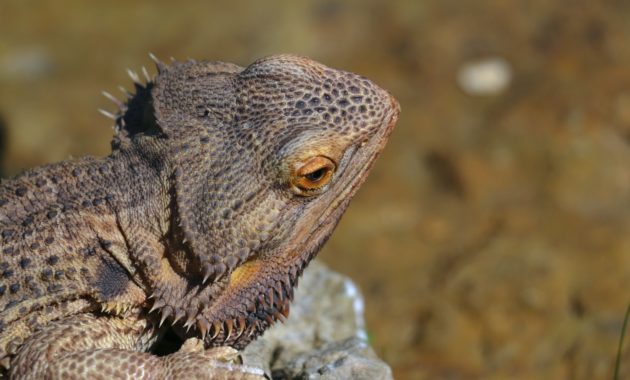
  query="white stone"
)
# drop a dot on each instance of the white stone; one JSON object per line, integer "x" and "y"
{"x": 488, "y": 76}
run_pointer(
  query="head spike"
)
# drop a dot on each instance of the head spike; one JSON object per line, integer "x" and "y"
{"x": 219, "y": 277}
{"x": 179, "y": 314}
{"x": 107, "y": 114}
{"x": 146, "y": 74}
{"x": 157, "y": 305}
{"x": 228, "y": 325}
{"x": 270, "y": 296}
{"x": 188, "y": 324}
{"x": 128, "y": 94}
{"x": 159, "y": 65}
{"x": 203, "y": 326}
{"x": 263, "y": 301}
{"x": 278, "y": 288}
{"x": 134, "y": 76}
{"x": 216, "y": 329}
{"x": 113, "y": 99}
{"x": 166, "y": 312}
{"x": 285, "y": 309}
{"x": 208, "y": 272}
{"x": 5, "y": 362}
{"x": 293, "y": 272}
{"x": 241, "y": 327}
{"x": 269, "y": 319}
{"x": 278, "y": 315}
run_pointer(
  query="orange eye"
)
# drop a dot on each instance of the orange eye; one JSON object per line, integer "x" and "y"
{"x": 313, "y": 175}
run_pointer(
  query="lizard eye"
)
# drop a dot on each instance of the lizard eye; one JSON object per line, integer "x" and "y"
{"x": 312, "y": 175}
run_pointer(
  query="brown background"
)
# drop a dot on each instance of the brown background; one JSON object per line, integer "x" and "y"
{"x": 491, "y": 240}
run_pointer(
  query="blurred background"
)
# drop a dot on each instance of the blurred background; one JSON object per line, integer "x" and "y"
{"x": 491, "y": 240}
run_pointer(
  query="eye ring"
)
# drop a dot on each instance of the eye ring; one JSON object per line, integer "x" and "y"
{"x": 310, "y": 177}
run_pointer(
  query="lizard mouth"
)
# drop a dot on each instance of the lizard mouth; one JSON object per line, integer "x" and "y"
{"x": 266, "y": 283}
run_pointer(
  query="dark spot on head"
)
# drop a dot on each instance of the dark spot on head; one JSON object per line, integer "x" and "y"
{"x": 20, "y": 191}
{"x": 34, "y": 245}
{"x": 53, "y": 288}
{"x": 111, "y": 279}
{"x": 8, "y": 250}
{"x": 52, "y": 260}
{"x": 49, "y": 240}
{"x": 8, "y": 273}
{"x": 51, "y": 214}
{"x": 76, "y": 172}
{"x": 24, "y": 263}
{"x": 226, "y": 214}
{"x": 14, "y": 288}
{"x": 88, "y": 251}
{"x": 3, "y": 289}
{"x": 6, "y": 234}
{"x": 47, "y": 273}
{"x": 237, "y": 204}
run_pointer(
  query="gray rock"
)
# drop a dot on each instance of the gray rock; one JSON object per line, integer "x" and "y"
{"x": 349, "y": 359}
{"x": 324, "y": 336}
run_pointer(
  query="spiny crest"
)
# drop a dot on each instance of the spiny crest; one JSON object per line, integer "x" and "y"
{"x": 257, "y": 314}
{"x": 134, "y": 114}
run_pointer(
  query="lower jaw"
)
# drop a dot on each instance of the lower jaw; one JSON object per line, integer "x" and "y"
{"x": 258, "y": 295}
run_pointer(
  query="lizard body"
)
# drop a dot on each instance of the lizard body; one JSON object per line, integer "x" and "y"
{"x": 222, "y": 184}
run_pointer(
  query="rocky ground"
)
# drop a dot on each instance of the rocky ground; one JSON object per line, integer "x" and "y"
{"x": 323, "y": 338}
{"x": 491, "y": 240}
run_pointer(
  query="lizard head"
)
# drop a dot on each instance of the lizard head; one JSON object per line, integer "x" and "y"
{"x": 265, "y": 161}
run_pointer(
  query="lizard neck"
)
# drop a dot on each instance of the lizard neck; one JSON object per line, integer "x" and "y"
{"x": 147, "y": 217}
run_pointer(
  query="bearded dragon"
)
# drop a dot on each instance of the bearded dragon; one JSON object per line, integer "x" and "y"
{"x": 222, "y": 184}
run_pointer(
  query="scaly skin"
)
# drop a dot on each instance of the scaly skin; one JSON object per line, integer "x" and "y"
{"x": 222, "y": 185}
